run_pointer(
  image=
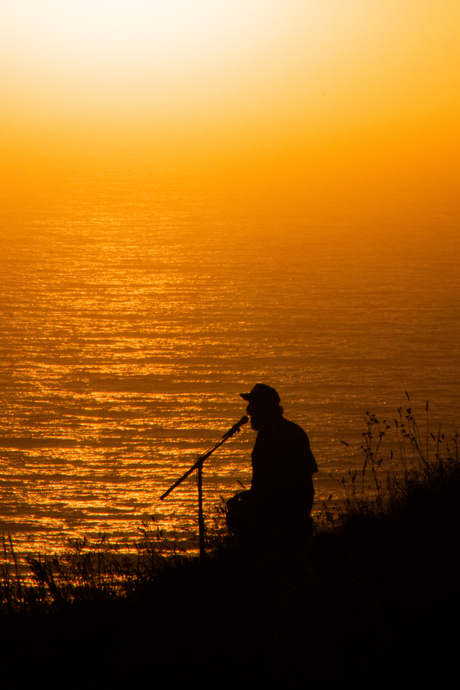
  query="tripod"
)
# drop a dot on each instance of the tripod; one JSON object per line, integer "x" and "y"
{"x": 198, "y": 465}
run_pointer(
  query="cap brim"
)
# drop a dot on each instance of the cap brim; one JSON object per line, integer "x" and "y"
{"x": 246, "y": 396}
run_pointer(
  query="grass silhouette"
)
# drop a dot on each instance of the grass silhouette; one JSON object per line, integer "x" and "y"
{"x": 97, "y": 615}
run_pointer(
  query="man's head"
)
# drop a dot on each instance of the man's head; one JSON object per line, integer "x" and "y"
{"x": 264, "y": 405}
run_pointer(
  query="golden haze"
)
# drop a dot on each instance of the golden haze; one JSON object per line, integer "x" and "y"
{"x": 269, "y": 99}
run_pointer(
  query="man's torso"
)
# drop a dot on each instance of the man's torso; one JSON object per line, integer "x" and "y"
{"x": 283, "y": 464}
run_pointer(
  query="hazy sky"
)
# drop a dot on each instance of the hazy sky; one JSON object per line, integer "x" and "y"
{"x": 267, "y": 89}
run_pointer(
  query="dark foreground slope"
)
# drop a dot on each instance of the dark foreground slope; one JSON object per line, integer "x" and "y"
{"x": 213, "y": 625}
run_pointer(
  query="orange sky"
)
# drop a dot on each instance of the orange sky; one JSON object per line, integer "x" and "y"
{"x": 257, "y": 94}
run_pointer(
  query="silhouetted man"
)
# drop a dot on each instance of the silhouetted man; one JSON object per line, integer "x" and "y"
{"x": 281, "y": 495}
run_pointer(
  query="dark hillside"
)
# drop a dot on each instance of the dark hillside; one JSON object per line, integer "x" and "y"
{"x": 176, "y": 620}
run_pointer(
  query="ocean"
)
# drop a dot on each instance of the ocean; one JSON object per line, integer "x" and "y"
{"x": 128, "y": 331}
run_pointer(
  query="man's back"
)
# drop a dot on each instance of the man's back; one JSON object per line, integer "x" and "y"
{"x": 283, "y": 465}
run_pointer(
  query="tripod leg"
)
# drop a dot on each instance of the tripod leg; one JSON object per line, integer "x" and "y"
{"x": 200, "y": 511}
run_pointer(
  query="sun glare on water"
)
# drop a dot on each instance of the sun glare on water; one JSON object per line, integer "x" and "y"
{"x": 197, "y": 193}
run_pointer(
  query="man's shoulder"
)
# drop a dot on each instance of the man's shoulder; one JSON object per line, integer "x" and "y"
{"x": 297, "y": 439}
{"x": 291, "y": 433}
{"x": 292, "y": 428}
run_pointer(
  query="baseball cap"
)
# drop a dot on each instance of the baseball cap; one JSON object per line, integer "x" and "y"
{"x": 262, "y": 393}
